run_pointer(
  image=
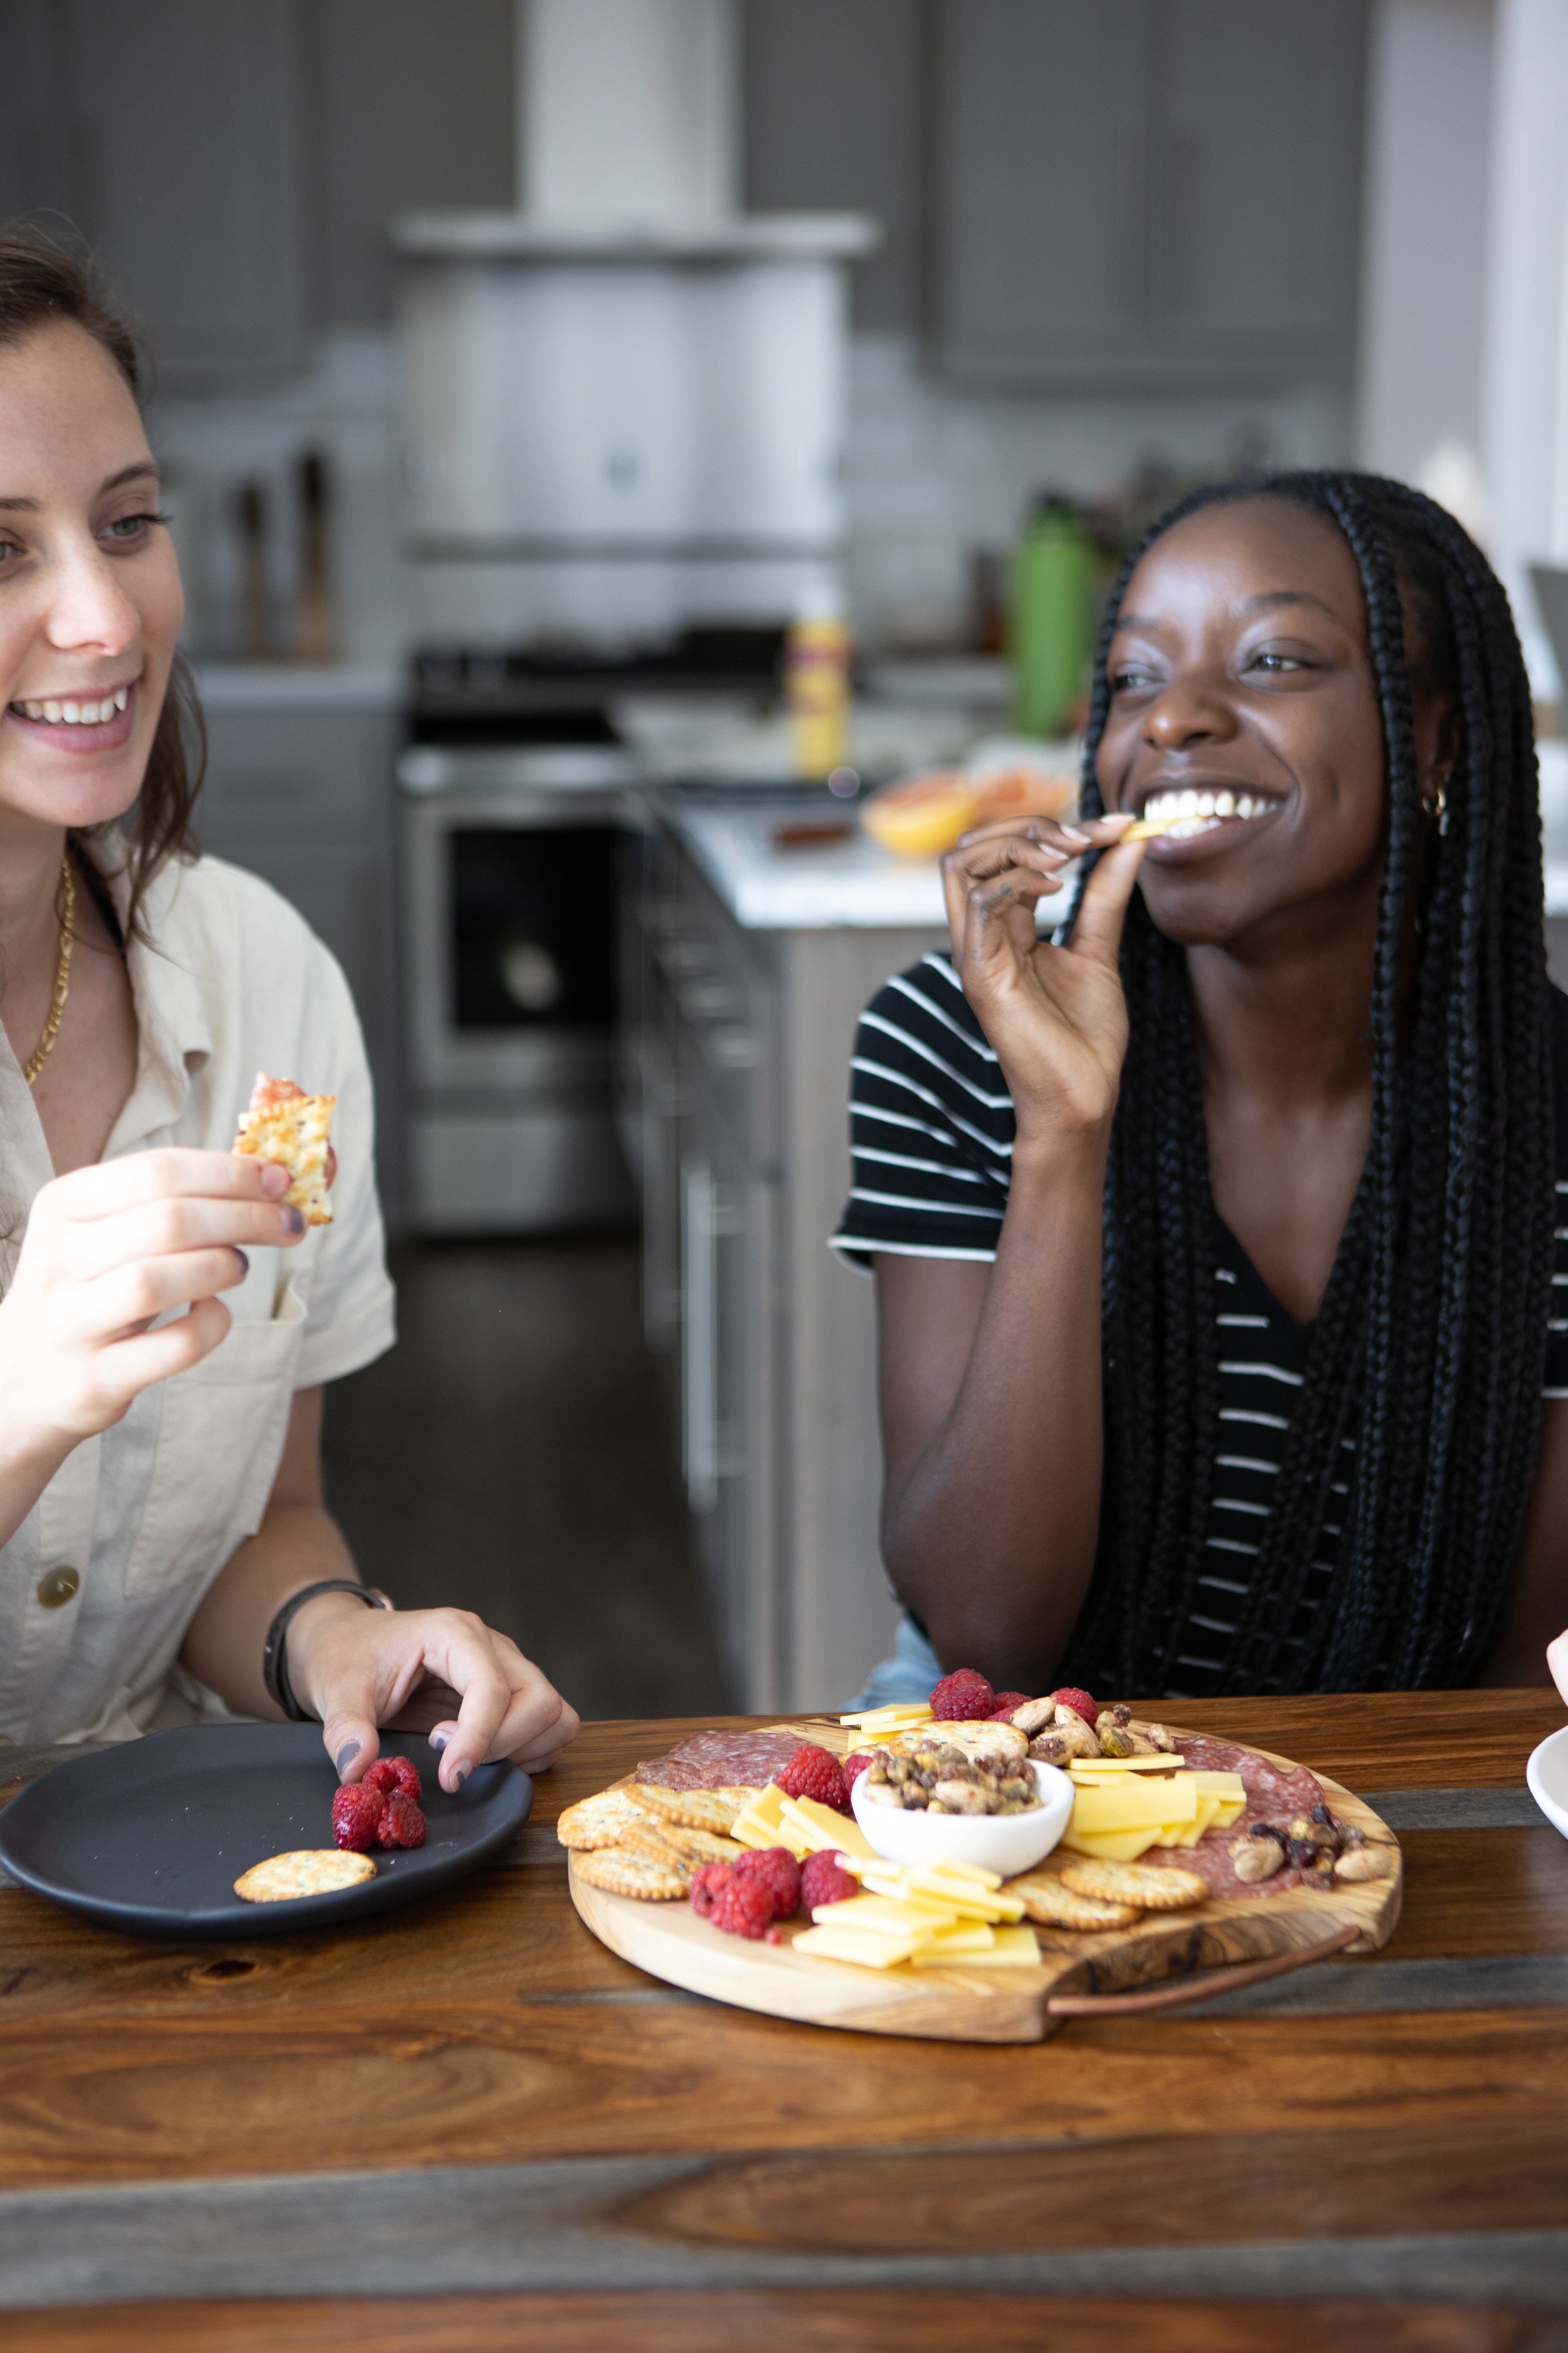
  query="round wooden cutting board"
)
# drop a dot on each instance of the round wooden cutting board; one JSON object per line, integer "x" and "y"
{"x": 993, "y": 2005}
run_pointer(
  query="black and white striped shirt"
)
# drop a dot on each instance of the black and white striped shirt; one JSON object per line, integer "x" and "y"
{"x": 931, "y": 1133}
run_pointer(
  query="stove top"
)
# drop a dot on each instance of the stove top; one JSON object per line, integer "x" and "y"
{"x": 549, "y": 694}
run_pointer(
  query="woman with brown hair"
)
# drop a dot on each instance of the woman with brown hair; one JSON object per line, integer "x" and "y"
{"x": 167, "y": 1322}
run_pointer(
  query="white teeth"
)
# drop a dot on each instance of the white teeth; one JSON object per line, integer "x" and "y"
{"x": 77, "y": 714}
{"x": 1182, "y": 814}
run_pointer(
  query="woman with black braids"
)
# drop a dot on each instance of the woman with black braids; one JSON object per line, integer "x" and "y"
{"x": 1215, "y": 1247}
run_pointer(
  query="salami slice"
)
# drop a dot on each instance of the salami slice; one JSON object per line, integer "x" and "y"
{"x": 721, "y": 1760}
{"x": 1273, "y": 1795}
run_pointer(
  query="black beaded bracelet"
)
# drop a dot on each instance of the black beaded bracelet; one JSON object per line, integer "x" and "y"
{"x": 275, "y": 1656}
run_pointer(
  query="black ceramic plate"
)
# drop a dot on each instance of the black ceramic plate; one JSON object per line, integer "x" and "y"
{"x": 150, "y": 1836}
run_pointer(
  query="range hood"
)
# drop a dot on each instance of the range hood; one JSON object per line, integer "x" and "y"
{"x": 626, "y": 402}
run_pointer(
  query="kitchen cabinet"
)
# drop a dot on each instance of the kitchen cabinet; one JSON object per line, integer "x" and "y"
{"x": 1147, "y": 195}
{"x": 299, "y": 790}
{"x": 739, "y": 1067}
{"x": 173, "y": 138}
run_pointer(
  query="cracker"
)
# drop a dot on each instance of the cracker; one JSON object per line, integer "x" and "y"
{"x": 1146, "y": 1885}
{"x": 600, "y": 1821}
{"x": 1055, "y": 1906}
{"x": 310, "y": 1871}
{"x": 286, "y": 1124}
{"x": 697, "y": 1809}
{"x": 621, "y": 1871}
{"x": 693, "y": 1847}
{"x": 648, "y": 1837}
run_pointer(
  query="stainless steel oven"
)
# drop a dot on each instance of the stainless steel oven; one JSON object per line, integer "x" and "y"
{"x": 511, "y": 865}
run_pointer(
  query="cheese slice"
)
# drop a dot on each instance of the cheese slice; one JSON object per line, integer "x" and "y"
{"x": 845, "y": 1945}
{"x": 760, "y": 1822}
{"x": 1010, "y": 1948}
{"x": 900, "y": 1714}
{"x": 1097, "y": 1769}
{"x": 1114, "y": 1846}
{"x": 881, "y": 1916}
{"x": 963, "y": 1937}
{"x": 1208, "y": 1811}
{"x": 1135, "y": 1805}
{"x": 819, "y": 1827}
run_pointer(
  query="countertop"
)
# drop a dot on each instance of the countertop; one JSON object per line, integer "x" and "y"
{"x": 850, "y": 883}
{"x": 467, "y": 2126}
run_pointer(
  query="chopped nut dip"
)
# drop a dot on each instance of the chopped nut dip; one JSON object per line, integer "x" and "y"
{"x": 938, "y": 1778}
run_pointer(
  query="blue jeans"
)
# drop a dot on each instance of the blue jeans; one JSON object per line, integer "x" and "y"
{"x": 909, "y": 1674}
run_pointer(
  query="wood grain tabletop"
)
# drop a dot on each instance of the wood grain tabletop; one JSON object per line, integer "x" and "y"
{"x": 467, "y": 2126}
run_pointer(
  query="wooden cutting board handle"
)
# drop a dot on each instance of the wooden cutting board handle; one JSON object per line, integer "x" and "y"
{"x": 1201, "y": 1987}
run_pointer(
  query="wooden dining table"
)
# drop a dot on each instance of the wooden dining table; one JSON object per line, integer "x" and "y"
{"x": 467, "y": 2125}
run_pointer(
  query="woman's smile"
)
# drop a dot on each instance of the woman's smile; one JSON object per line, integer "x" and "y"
{"x": 98, "y": 721}
{"x": 1204, "y": 818}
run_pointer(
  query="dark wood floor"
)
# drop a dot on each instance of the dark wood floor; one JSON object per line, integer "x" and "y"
{"x": 510, "y": 1455}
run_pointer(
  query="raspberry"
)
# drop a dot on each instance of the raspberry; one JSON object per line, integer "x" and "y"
{"x": 706, "y": 1883}
{"x": 963, "y": 1697}
{"x": 356, "y": 1817}
{"x": 779, "y": 1872}
{"x": 402, "y": 1824}
{"x": 813, "y": 1772}
{"x": 394, "y": 1773}
{"x": 1079, "y": 1701}
{"x": 853, "y": 1766}
{"x": 1006, "y": 1703}
{"x": 743, "y": 1907}
{"x": 822, "y": 1881}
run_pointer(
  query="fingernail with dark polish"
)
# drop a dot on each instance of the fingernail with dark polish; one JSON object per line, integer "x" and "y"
{"x": 461, "y": 1775}
{"x": 439, "y": 1740}
{"x": 243, "y": 1256}
{"x": 275, "y": 1179}
{"x": 294, "y": 1219}
{"x": 346, "y": 1755}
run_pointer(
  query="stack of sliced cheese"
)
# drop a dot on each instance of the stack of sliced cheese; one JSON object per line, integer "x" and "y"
{"x": 874, "y": 1727}
{"x": 933, "y": 1915}
{"x": 802, "y": 1824}
{"x": 1124, "y": 1805}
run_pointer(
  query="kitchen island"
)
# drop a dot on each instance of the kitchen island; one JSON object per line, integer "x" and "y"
{"x": 751, "y": 964}
{"x": 467, "y": 2126}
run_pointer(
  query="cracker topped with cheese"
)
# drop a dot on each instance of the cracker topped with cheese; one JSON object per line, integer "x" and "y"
{"x": 286, "y": 1124}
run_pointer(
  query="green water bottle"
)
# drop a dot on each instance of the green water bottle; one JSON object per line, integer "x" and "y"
{"x": 1053, "y": 583}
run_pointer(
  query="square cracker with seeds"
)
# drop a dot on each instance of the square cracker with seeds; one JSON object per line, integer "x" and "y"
{"x": 286, "y": 1124}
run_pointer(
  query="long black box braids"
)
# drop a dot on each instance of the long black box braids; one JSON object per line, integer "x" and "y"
{"x": 1428, "y": 1353}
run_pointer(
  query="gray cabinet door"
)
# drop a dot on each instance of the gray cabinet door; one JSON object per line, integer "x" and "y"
{"x": 171, "y": 136}
{"x": 1148, "y": 195}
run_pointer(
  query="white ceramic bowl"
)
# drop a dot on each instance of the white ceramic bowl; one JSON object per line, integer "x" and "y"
{"x": 1547, "y": 1776}
{"x": 1001, "y": 1842}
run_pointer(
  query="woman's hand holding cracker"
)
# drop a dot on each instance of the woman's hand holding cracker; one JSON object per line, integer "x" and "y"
{"x": 1055, "y": 1016}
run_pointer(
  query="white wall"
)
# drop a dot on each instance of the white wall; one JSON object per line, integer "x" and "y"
{"x": 1524, "y": 400}
{"x": 935, "y": 473}
{"x": 1425, "y": 254}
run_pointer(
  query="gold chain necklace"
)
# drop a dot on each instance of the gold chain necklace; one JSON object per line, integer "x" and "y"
{"x": 45, "y": 1045}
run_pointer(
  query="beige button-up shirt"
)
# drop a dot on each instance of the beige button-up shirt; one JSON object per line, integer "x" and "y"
{"x": 233, "y": 982}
